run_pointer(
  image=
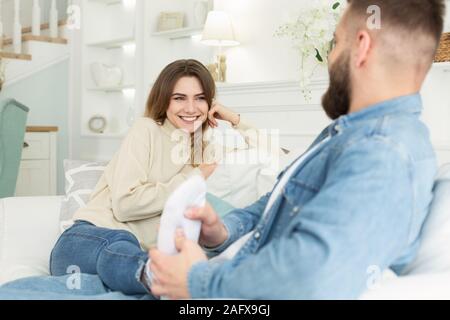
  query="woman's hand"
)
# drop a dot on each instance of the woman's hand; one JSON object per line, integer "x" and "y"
{"x": 207, "y": 169}
{"x": 219, "y": 112}
{"x": 213, "y": 232}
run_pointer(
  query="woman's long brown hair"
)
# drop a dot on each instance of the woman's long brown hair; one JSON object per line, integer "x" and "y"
{"x": 159, "y": 99}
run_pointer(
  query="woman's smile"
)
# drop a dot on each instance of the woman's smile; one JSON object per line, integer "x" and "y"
{"x": 189, "y": 119}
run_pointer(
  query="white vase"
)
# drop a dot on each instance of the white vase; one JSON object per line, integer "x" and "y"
{"x": 106, "y": 75}
{"x": 200, "y": 12}
{"x": 36, "y": 19}
{"x": 53, "y": 20}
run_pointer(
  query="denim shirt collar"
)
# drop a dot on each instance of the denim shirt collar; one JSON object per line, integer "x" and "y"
{"x": 405, "y": 104}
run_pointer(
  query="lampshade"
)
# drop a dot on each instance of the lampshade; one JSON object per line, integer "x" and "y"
{"x": 218, "y": 30}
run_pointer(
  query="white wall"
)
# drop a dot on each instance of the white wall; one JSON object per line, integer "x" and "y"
{"x": 261, "y": 56}
{"x": 160, "y": 51}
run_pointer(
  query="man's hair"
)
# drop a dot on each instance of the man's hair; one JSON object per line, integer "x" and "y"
{"x": 414, "y": 16}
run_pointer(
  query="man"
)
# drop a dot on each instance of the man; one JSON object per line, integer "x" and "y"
{"x": 356, "y": 200}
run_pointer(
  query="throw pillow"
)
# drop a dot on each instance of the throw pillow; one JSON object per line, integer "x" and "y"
{"x": 433, "y": 255}
{"x": 81, "y": 179}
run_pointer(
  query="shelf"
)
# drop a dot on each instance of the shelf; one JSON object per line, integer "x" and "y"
{"x": 445, "y": 66}
{"x": 107, "y": 2}
{"x": 179, "y": 33}
{"x": 104, "y": 135}
{"x": 112, "y": 89}
{"x": 112, "y": 44}
{"x": 16, "y": 56}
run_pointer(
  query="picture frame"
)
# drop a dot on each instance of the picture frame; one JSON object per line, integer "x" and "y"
{"x": 170, "y": 21}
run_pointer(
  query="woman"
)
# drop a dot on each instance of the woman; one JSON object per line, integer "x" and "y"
{"x": 111, "y": 236}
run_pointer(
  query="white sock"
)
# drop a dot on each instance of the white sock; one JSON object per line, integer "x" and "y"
{"x": 191, "y": 193}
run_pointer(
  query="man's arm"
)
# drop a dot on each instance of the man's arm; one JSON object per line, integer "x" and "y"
{"x": 240, "y": 222}
{"x": 359, "y": 219}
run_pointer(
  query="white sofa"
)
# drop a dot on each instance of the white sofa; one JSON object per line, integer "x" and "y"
{"x": 29, "y": 228}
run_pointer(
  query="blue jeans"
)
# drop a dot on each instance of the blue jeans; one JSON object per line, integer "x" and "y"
{"x": 86, "y": 287}
{"x": 114, "y": 255}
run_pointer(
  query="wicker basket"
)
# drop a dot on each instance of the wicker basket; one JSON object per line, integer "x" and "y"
{"x": 443, "y": 53}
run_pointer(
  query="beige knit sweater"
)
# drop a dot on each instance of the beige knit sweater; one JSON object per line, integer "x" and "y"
{"x": 136, "y": 183}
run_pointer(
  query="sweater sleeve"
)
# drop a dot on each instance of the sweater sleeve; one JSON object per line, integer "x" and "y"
{"x": 133, "y": 196}
{"x": 257, "y": 138}
{"x": 248, "y": 132}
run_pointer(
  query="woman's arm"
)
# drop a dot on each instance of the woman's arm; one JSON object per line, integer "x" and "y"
{"x": 247, "y": 131}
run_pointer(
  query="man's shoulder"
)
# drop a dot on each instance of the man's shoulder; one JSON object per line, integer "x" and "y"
{"x": 404, "y": 137}
{"x": 407, "y": 134}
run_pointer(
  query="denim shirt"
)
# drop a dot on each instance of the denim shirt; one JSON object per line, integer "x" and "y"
{"x": 354, "y": 205}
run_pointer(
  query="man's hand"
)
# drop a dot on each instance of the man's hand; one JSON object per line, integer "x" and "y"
{"x": 170, "y": 273}
{"x": 213, "y": 232}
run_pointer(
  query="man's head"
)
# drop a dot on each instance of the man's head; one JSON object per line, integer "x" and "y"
{"x": 382, "y": 49}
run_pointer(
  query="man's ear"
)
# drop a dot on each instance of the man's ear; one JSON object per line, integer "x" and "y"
{"x": 363, "y": 48}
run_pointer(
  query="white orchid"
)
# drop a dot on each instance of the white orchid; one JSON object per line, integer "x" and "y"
{"x": 312, "y": 32}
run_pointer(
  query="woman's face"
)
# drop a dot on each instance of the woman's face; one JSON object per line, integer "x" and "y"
{"x": 188, "y": 108}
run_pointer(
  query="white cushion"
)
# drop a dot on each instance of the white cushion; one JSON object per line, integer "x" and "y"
{"x": 244, "y": 174}
{"x": 81, "y": 179}
{"x": 434, "y": 252}
{"x": 242, "y": 177}
{"x": 29, "y": 230}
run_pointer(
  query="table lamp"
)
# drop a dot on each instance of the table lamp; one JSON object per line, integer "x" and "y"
{"x": 219, "y": 32}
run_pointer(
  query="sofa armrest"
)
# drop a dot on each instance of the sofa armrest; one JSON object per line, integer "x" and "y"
{"x": 29, "y": 228}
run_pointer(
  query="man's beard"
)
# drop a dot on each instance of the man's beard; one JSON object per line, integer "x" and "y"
{"x": 336, "y": 101}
